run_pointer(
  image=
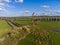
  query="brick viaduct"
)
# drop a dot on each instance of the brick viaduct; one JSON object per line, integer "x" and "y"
{"x": 49, "y": 18}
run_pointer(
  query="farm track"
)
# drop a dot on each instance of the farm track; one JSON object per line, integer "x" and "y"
{"x": 12, "y": 25}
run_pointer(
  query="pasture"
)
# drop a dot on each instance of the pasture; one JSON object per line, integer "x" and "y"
{"x": 4, "y": 27}
{"x": 45, "y": 26}
{"x": 45, "y": 32}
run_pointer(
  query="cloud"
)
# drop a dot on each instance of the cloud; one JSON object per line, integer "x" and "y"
{"x": 45, "y": 6}
{"x": 20, "y": 1}
{"x": 57, "y": 12}
{"x": 1, "y": 4}
{"x": 26, "y": 11}
{"x": 7, "y": 0}
{"x": 3, "y": 7}
{"x": 51, "y": 12}
{"x": 4, "y": 0}
{"x": 3, "y": 10}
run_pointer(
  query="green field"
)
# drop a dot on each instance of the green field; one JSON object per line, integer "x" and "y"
{"x": 23, "y": 22}
{"x": 54, "y": 28}
{"x": 47, "y": 26}
{"x": 4, "y": 27}
{"x": 43, "y": 33}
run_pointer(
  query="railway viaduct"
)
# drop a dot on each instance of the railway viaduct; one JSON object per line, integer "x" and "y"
{"x": 41, "y": 18}
{"x": 48, "y": 18}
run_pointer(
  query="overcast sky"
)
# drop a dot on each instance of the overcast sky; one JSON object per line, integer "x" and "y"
{"x": 27, "y": 7}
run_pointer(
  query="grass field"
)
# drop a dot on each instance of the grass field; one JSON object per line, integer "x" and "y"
{"x": 23, "y": 22}
{"x": 44, "y": 25}
{"x": 50, "y": 32}
{"x": 4, "y": 27}
{"x": 48, "y": 25}
{"x": 54, "y": 28}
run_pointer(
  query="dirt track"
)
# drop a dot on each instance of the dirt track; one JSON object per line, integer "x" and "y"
{"x": 12, "y": 25}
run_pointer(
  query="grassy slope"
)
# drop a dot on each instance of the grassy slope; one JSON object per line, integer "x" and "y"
{"x": 4, "y": 27}
{"x": 28, "y": 40}
{"x": 44, "y": 26}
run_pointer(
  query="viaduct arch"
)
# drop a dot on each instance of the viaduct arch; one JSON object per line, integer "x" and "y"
{"x": 49, "y": 18}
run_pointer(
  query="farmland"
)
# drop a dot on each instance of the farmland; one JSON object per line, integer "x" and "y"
{"x": 4, "y": 27}
{"x": 42, "y": 33}
{"x": 45, "y": 26}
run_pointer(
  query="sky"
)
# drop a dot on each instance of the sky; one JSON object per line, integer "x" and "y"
{"x": 27, "y": 7}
